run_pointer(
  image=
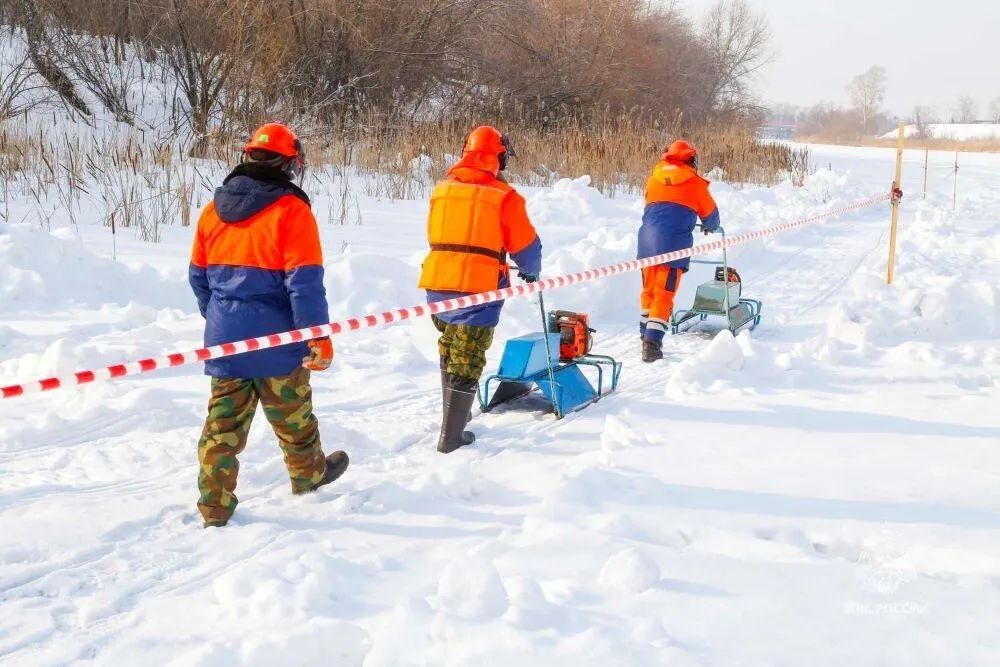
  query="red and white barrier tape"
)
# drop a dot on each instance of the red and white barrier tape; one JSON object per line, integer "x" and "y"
{"x": 401, "y": 314}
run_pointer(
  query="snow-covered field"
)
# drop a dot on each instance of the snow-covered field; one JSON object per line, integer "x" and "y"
{"x": 822, "y": 492}
{"x": 956, "y": 131}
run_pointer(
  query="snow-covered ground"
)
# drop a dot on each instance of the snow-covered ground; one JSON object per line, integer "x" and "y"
{"x": 956, "y": 131}
{"x": 822, "y": 492}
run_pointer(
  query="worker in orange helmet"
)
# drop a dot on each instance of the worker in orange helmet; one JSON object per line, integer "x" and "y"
{"x": 257, "y": 269}
{"x": 476, "y": 219}
{"x": 677, "y": 197}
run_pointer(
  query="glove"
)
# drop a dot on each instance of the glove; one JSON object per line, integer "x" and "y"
{"x": 527, "y": 277}
{"x": 708, "y": 232}
{"x": 320, "y": 354}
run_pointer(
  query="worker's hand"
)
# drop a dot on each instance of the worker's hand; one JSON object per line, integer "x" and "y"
{"x": 320, "y": 354}
{"x": 707, "y": 231}
{"x": 527, "y": 277}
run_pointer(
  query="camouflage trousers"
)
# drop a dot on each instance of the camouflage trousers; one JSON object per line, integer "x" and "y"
{"x": 287, "y": 403}
{"x": 463, "y": 348}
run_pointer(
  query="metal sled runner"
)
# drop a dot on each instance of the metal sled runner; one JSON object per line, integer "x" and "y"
{"x": 553, "y": 362}
{"x": 720, "y": 297}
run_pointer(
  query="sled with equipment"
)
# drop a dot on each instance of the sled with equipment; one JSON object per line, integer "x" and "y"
{"x": 552, "y": 360}
{"x": 720, "y": 297}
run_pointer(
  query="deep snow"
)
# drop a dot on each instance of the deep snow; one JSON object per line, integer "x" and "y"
{"x": 823, "y": 491}
{"x": 956, "y": 131}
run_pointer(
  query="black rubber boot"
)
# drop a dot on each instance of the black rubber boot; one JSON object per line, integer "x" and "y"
{"x": 652, "y": 350}
{"x": 459, "y": 393}
{"x": 444, "y": 392}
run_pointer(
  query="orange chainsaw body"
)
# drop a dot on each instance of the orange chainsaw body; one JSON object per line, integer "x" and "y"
{"x": 574, "y": 331}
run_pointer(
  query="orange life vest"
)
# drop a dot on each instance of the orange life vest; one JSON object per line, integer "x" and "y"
{"x": 475, "y": 220}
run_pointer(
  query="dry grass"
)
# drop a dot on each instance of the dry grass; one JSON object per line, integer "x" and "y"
{"x": 137, "y": 183}
{"x": 133, "y": 182}
{"x": 617, "y": 152}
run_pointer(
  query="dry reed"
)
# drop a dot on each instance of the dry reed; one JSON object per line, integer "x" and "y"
{"x": 139, "y": 183}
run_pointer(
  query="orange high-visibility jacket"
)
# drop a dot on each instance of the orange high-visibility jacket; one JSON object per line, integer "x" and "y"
{"x": 257, "y": 269}
{"x": 676, "y": 197}
{"x": 475, "y": 220}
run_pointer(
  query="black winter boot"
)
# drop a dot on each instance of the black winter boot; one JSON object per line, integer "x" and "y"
{"x": 336, "y": 465}
{"x": 459, "y": 393}
{"x": 652, "y": 350}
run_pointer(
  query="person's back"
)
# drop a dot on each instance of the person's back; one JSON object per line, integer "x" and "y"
{"x": 257, "y": 270}
{"x": 476, "y": 219}
{"x": 258, "y": 248}
{"x": 676, "y": 198}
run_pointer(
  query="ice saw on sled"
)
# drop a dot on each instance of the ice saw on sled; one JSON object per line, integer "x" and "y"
{"x": 720, "y": 297}
{"x": 552, "y": 360}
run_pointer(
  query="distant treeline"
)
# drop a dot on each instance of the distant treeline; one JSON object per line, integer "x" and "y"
{"x": 237, "y": 62}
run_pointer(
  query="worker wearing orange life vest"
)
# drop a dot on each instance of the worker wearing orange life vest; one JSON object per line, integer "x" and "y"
{"x": 677, "y": 197}
{"x": 476, "y": 219}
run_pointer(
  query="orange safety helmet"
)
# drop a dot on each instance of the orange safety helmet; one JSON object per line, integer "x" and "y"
{"x": 274, "y": 144}
{"x": 683, "y": 152}
{"x": 491, "y": 141}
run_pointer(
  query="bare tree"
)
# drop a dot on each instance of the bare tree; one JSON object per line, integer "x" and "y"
{"x": 203, "y": 42}
{"x": 39, "y": 51}
{"x": 737, "y": 40}
{"x": 232, "y": 63}
{"x": 108, "y": 77}
{"x": 923, "y": 117}
{"x": 20, "y": 89}
{"x": 867, "y": 93}
{"x": 994, "y": 110}
{"x": 966, "y": 110}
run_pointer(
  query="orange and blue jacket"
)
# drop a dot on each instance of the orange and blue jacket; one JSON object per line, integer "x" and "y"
{"x": 257, "y": 269}
{"x": 476, "y": 220}
{"x": 676, "y": 198}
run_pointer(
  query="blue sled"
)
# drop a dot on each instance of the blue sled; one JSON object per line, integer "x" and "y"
{"x": 524, "y": 363}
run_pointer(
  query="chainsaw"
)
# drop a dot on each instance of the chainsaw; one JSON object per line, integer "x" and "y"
{"x": 729, "y": 272}
{"x": 574, "y": 331}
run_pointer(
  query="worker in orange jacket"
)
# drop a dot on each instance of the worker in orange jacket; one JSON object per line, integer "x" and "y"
{"x": 257, "y": 269}
{"x": 677, "y": 197}
{"x": 476, "y": 219}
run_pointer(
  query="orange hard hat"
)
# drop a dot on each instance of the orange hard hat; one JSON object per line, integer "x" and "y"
{"x": 680, "y": 151}
{"x": 276, "y": 138}
{"x": 276, "y": 145}
{"x": 490, "y": 141}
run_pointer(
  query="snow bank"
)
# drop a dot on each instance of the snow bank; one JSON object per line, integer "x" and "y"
{"x": 956, "y": 131}
{"x": 361, "y": 283}
{"x": 51, "y": 271}
{"x": 727, "y": 364}
{"x": 471, "y": 588}
{"x": 939, "y": 296}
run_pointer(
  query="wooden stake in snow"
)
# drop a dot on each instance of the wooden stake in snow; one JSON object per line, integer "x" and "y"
{"x": 954, "y": 197}
{"x": 927, "y": 159}
{"x": 895, "y": 200}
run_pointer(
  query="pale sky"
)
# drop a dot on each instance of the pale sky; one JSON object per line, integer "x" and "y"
{"x": 934, "y": 51}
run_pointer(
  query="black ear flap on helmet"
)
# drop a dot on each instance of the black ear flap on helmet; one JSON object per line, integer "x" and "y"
{"x": 296, "y": 166}
{"x": 694, "y": 161}
{"x": 508, "y": 151}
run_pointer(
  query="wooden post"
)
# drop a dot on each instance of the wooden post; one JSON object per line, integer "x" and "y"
{"x": 895, "y": 200}
{"x": 954, "y": 197}
{"x": 927, "y": 159}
